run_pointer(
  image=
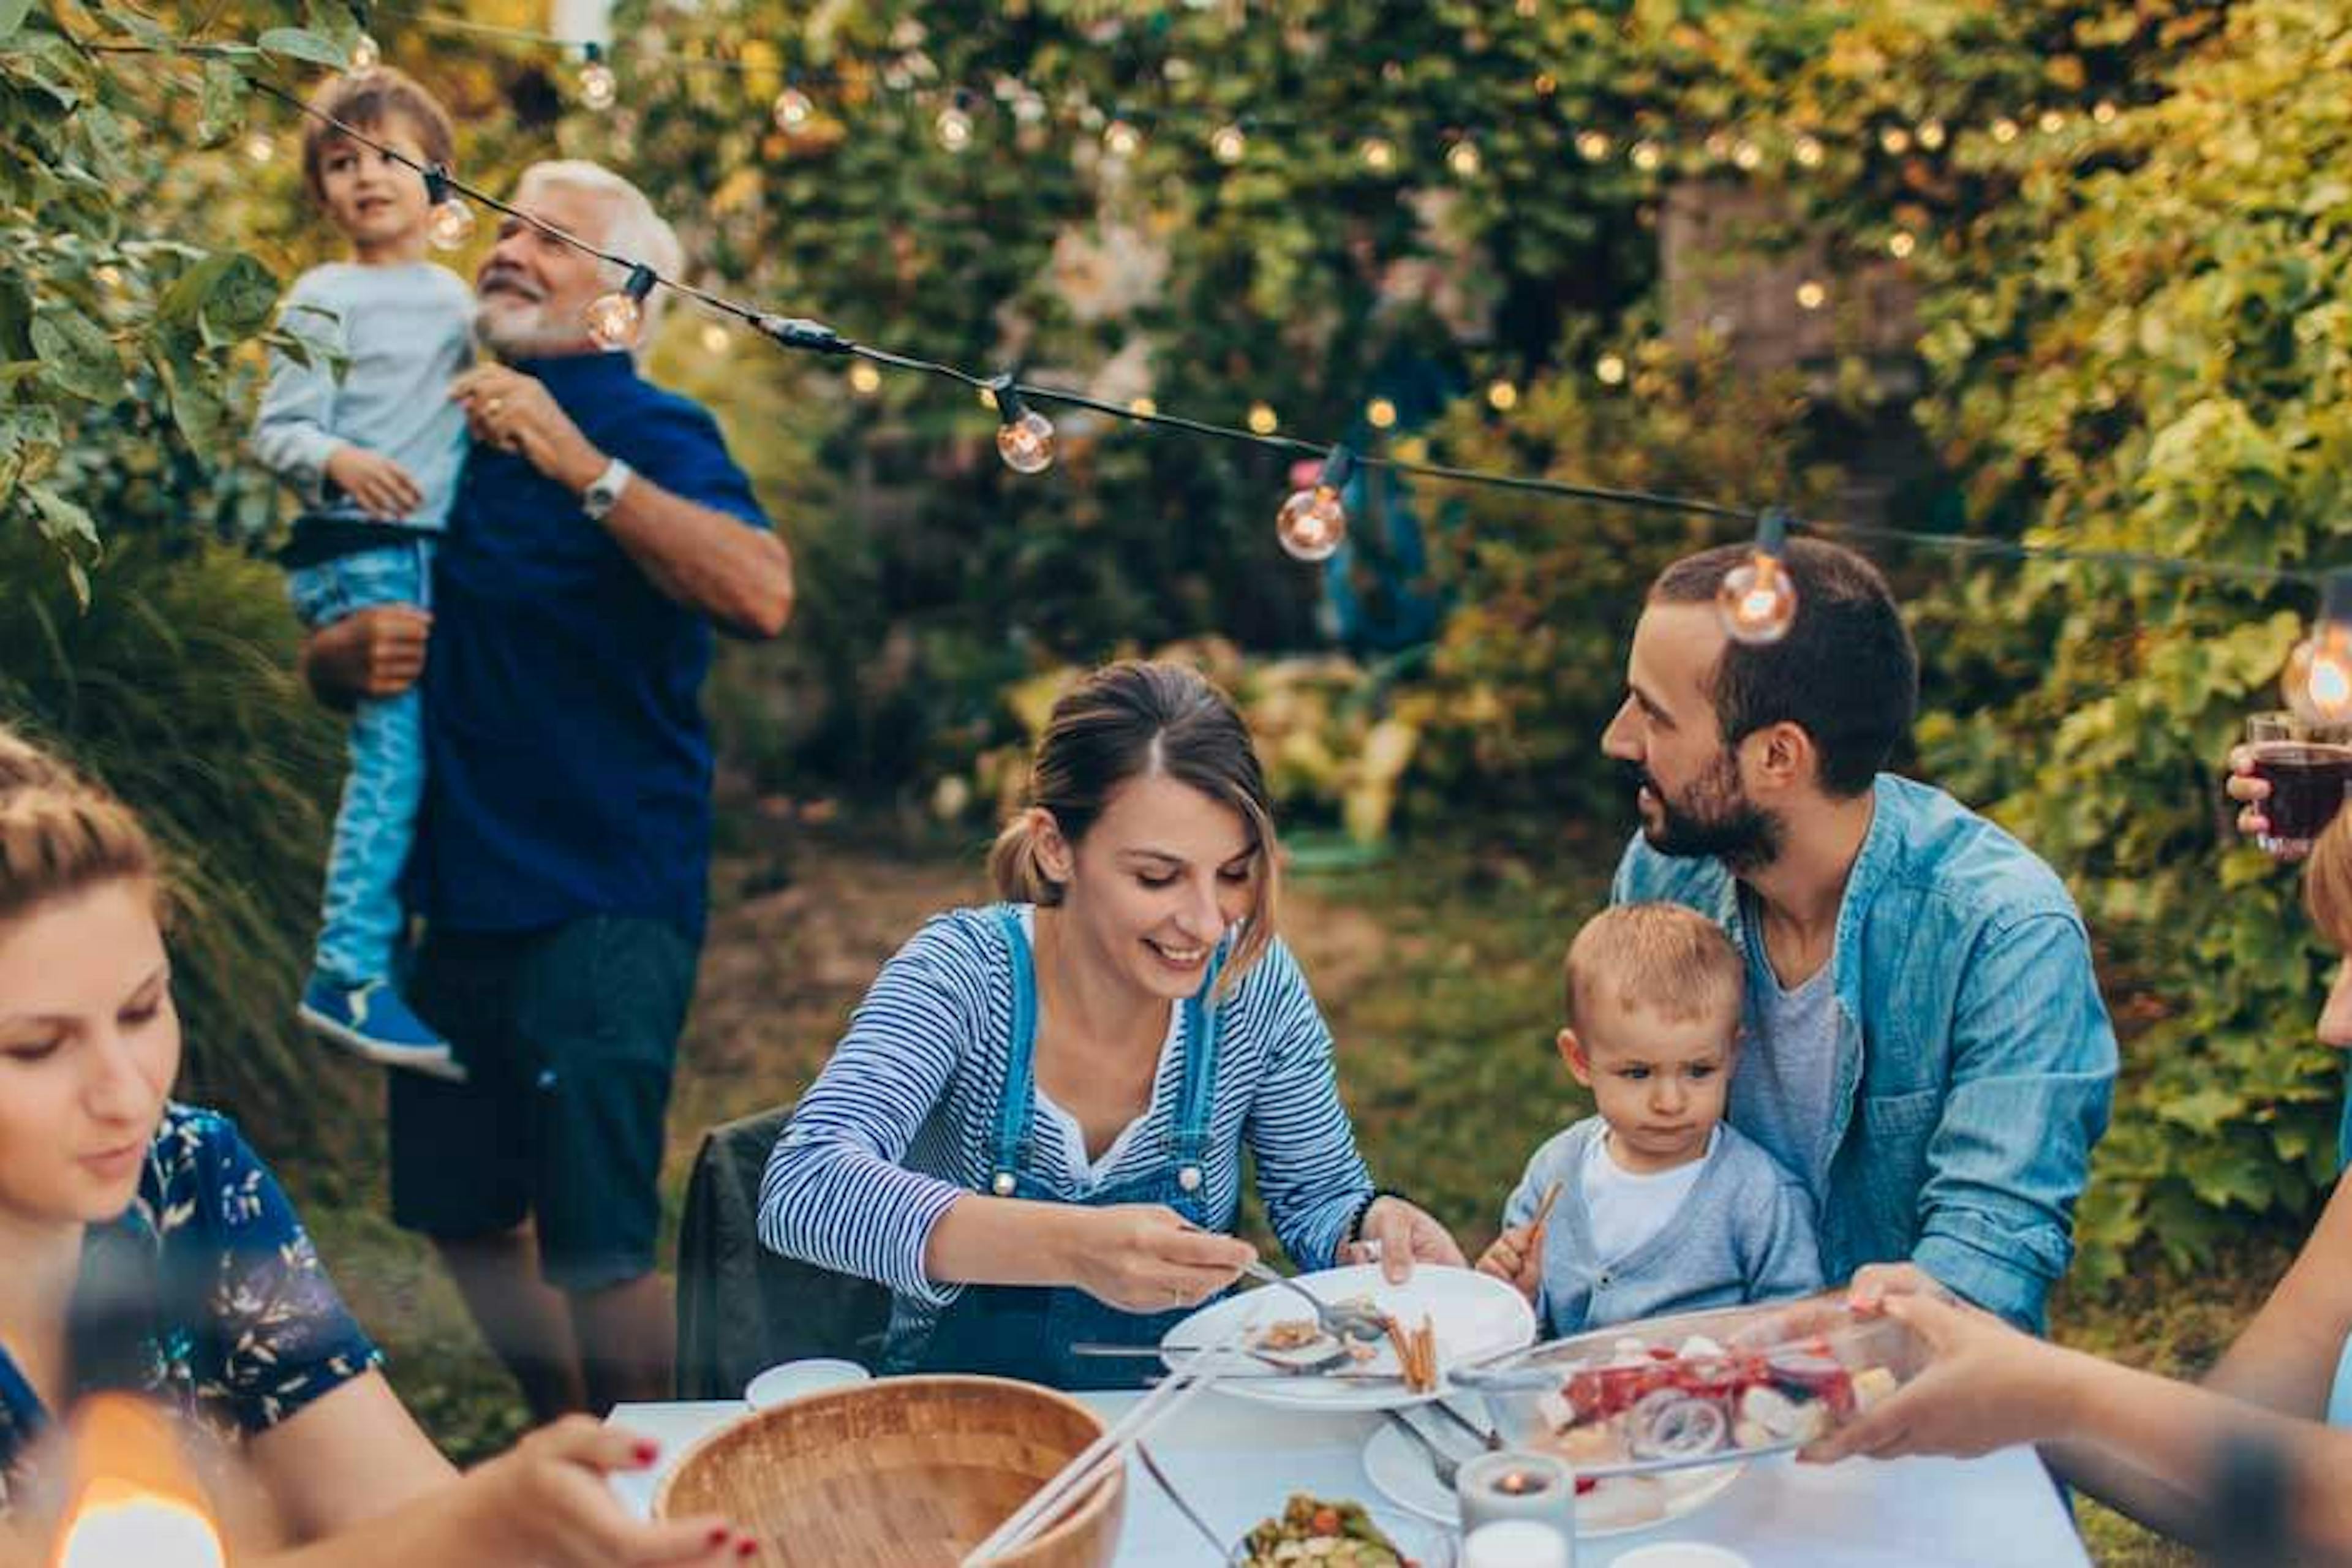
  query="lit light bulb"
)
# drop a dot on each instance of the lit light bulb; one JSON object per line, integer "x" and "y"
{"x": 864, "y": 379}
{"x": 1757, "y": 602}
{"x": 615, "y": 319}
{"x": 365, "y": 55}
{"x": 715, "y": 340}
{"x": 1464, "y": 160}
{"x": 1592, "y": 145}
{"x": 1380, "y": 413}
{"x": 259, "y": 148}
{"x": 1546, "y": 84}
{"x": 1610, "y": 369}
{"x": 1378, "y": 152}
{"x": 1122, "y": 140}
{"x": 794, "y": 109}
{"x": 598, "y": 86}
{"x": 1895, "y": 140}
{"x": 2004, "y": 130}
{"x": 1262, "y": 420}
{"x": 1647, "y": 155}
{"x": 954, "y": 128}
{"x": 2051, "y": 122}
{"x": 1901, "y": 244}
{"x": 1746, "y": 155}
{"x": 1230, "y": 145}
{"x": 2318, "y": 684}
{"x": 1807, "y": 151}
{"x": 1025, "y": 437}
{"x": 1502, "y": 396}
{"x": 1142, "y": 406}
{"x": 2104, "y": 112}
{"x": 450, "y": 223}
{"x": 1312, "y": 522}
{"x": 1931, "y": 134}
{"x": 1811, "y": 295}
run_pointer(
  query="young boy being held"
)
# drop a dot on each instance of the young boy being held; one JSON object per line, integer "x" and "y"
{"x": 1661, "y": 1207}
{"x": 374, "y": 457}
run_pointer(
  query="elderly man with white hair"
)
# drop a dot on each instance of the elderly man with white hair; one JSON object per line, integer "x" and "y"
{"x": 600, "y": 531}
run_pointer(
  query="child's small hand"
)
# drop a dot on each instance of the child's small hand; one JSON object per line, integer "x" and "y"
{"x": 375, "y": 482}
{"x": 1517, "y": 1258}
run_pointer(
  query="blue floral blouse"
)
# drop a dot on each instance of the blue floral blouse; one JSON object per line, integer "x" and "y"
{"x": 206, "y": 1294}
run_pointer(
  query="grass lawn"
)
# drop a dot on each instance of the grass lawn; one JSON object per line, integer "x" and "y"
{"x": 1440, "y": 975}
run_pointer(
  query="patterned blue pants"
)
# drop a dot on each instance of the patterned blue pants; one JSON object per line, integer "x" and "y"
{"x": 361, "y": 920}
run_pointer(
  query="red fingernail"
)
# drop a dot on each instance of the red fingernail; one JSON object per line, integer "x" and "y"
{"x": 746, "y": 1547}
{"x": 718, "y": 1535}
{"x": 646, "y": 1451}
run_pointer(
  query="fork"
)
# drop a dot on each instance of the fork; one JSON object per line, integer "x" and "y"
{"x": 1341, "y": 1320}
{"x": 1285, "y": 1365}
{"x": 1444, "y": 1466}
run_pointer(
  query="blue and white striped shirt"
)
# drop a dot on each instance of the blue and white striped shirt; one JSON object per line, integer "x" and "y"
{"x": 902, "y": 1122}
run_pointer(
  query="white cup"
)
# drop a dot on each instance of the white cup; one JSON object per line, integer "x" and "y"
{"x": 798, "y": 1379}
{"x": 1681, "y": 1554}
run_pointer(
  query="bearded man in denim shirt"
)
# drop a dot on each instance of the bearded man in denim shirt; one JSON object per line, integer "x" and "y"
{"x": 1927, "y": 1047}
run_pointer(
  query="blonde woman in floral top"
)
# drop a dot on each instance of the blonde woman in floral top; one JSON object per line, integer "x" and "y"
{"x": 144, "y": 1248}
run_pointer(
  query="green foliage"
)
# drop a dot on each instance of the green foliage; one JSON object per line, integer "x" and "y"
{"x": 176, "y": 686}
{"x": 2151, "y": 350}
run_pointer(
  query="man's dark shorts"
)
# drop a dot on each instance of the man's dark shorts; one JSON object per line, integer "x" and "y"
{"x": 568, "y": 1037}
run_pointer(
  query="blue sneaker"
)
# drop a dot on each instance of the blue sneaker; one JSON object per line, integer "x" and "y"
{"x": 371, "y": 1020}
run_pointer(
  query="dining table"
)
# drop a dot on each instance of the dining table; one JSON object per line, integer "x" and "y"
{"x": 1236, "y": 1461}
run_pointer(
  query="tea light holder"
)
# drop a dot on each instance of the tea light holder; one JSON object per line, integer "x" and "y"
{"x": 1518, "y": 1484}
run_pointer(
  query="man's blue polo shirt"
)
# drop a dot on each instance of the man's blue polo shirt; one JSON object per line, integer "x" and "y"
{"x": 567, "y": 761}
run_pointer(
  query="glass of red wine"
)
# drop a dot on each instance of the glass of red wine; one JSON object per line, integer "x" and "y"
{"x": 2309, "y": 767}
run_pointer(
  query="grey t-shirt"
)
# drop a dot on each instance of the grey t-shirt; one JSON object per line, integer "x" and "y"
{"x": 406, "y": 331}
{"x": 1783, "y": 1089}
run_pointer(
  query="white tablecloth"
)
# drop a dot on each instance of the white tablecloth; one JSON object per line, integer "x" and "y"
{"x": 1235, "y": 1462}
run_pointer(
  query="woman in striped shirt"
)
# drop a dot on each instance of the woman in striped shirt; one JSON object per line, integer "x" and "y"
{"x": 1033, "y": 1130}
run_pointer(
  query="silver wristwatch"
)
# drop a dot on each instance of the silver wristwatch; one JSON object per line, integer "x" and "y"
{"x": 603, "y": 492}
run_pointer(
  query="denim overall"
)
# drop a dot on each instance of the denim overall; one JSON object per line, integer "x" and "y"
{"x": 1027, "y": 1330}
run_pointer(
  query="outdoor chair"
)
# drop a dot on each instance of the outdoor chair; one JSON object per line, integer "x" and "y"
{"x": 741, "y": 1308}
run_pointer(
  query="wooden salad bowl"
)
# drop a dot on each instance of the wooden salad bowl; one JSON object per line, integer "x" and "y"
{"x": 902, "y": 1472}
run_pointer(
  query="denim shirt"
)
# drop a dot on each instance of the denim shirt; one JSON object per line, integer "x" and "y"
{"x": 1975, "y": 1063}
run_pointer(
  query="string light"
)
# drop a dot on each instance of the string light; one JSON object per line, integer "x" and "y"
{"x": 365, "y": 55}
{"x": 715, "y": 339}
{"x": 1757, "y": 603}
{"x": 2104, "y": 112}
{"x": 2052, "y": 122}
{"x": 2004, "y": 130}
{"x": 1592, "y": 145}
{"x": 954, "y": 128}
{"x": 598, "y": 86}
{"x": 1546, "y": 84}
{"x": 2323, "y": 678}
{"x": 793, "y": 110}
{"x": 450, "y": 223}
{"x": 1025, "y": 438}
{"x": 1122, "y": 140}
{"x": 1647, "y": 155}
{"x": 1610, "y": 368}
{"x": 259, "y": 148}
{"x": 1464, "y": 160}
{"x": 1931, "y": 134}
{"x": 1230, "y": 145}
{"x": 1502, "y": 396}
{"x": 1811, "y": 295}
{"x": 1312, "y": 522}
{"x": 1746, "y": 155}
{"x": 1900, "y": 244}
{"x": 1808, "y": 152}
{"x": 1380, "y": 413}
{"x": 615, "y": 319}
{"x": 1895, "y": 140}
{"x": 1378, "y": 152}
{"x": 2318, "y": 684}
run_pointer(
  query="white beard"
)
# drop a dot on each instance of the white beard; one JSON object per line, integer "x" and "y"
{"x": 513, "y": 329}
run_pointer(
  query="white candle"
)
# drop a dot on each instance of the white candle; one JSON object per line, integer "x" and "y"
{"x": 1517, "y": 1544}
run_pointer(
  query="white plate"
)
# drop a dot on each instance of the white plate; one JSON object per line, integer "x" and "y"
{"x": 1617, "y": 1505}
{"x": 1476, "y": 1315}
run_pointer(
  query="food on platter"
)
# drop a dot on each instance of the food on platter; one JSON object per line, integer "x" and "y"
{"x": 1337, "y": 1534}
{"x": 1289, "y": 1335}
{"x": 1678, "y": 1391}
{"x": 1416, "y": 1353}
